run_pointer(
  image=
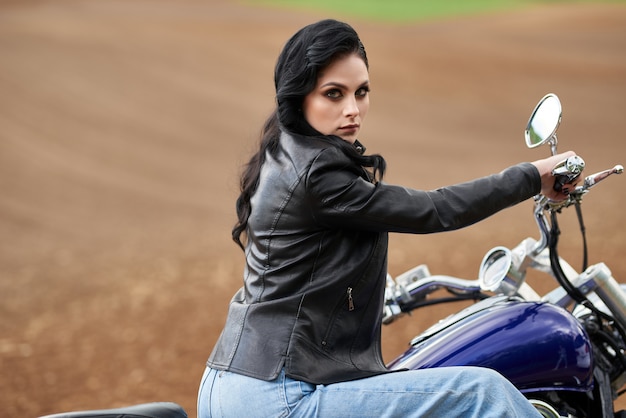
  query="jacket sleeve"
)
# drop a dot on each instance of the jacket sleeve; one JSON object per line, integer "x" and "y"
{"x": 341, "y": 196}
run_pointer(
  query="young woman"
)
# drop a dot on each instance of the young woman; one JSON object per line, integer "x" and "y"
{"x": 302, "y": 336}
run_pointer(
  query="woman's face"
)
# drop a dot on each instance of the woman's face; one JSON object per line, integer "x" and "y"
{"x": 340, "y": 100}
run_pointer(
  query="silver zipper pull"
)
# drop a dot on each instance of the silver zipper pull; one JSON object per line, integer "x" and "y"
{"x": 350, "y": 300}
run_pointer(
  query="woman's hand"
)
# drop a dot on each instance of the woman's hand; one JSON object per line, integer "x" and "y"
{"x": 545, "y": 167}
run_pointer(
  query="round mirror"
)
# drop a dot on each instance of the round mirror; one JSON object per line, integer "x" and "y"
{"x": 544, "y": 121}
{"x": 494, "y": 268}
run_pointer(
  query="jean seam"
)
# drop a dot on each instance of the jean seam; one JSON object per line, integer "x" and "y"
{"x": 282, "y": 394}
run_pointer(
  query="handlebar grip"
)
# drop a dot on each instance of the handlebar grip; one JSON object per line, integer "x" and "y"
{"x": 567, "y": 171}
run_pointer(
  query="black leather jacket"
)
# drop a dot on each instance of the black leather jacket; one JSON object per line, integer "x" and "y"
{"x": 316, "y": 260}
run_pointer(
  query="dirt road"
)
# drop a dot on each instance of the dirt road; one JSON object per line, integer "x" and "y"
{"x": 123, "y": 126}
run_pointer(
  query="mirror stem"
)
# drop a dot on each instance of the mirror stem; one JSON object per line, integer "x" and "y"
{"x": 553, "y": 141}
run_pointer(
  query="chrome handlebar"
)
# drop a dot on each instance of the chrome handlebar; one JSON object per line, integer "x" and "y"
{"x": 416, "y": 284}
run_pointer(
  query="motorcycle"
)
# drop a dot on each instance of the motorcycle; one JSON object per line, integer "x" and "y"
{"x": 565, "y": 350}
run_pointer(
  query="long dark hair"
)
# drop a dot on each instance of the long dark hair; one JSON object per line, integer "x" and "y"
{"x": 305, "y": 54}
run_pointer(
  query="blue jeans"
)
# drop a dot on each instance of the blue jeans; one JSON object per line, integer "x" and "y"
{"x": 442, "y": 392}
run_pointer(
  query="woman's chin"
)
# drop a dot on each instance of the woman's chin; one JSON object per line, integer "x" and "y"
{"x": 348, "y": 138}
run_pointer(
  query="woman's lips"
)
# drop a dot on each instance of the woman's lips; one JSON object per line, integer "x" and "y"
{"x": 349, "y": 128}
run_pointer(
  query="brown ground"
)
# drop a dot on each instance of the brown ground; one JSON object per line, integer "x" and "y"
{"x": 122, "y": 129}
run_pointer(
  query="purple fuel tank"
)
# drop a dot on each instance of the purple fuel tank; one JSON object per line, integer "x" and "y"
{"x": 537, "y": 346}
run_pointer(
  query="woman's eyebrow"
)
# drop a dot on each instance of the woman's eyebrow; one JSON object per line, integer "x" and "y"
{"x": 340, "y": 85}
{"x": 333, "y": 84}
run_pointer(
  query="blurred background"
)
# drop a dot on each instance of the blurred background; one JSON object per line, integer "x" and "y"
{"x": 124, "y": 125}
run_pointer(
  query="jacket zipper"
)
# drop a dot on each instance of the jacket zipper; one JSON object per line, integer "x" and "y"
{"x": 334, "y": 315}
{"x": 350, "y": 300}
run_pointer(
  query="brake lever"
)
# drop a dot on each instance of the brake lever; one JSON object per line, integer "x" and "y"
{"x": 593, "y": 179}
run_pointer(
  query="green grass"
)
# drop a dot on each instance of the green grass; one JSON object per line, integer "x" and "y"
{"x": 413, "y": 10}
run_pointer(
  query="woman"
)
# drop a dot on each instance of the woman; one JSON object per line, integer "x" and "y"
{"x": 302, "y": 337}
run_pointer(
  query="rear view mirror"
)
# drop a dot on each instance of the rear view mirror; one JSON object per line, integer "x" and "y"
{"x": 543, "y": 123}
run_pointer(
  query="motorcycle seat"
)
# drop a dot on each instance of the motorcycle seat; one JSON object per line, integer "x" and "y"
{"x": 147, "y": 410}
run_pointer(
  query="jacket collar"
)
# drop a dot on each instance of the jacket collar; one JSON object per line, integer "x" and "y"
{"x": 359, "y": 147}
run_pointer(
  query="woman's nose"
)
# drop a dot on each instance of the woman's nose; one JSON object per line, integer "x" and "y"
{"x": 351, "y": 108}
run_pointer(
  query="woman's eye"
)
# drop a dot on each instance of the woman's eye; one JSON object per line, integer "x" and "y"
{"x": 363, "y": 91}
{"x": 333, "y": 94}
